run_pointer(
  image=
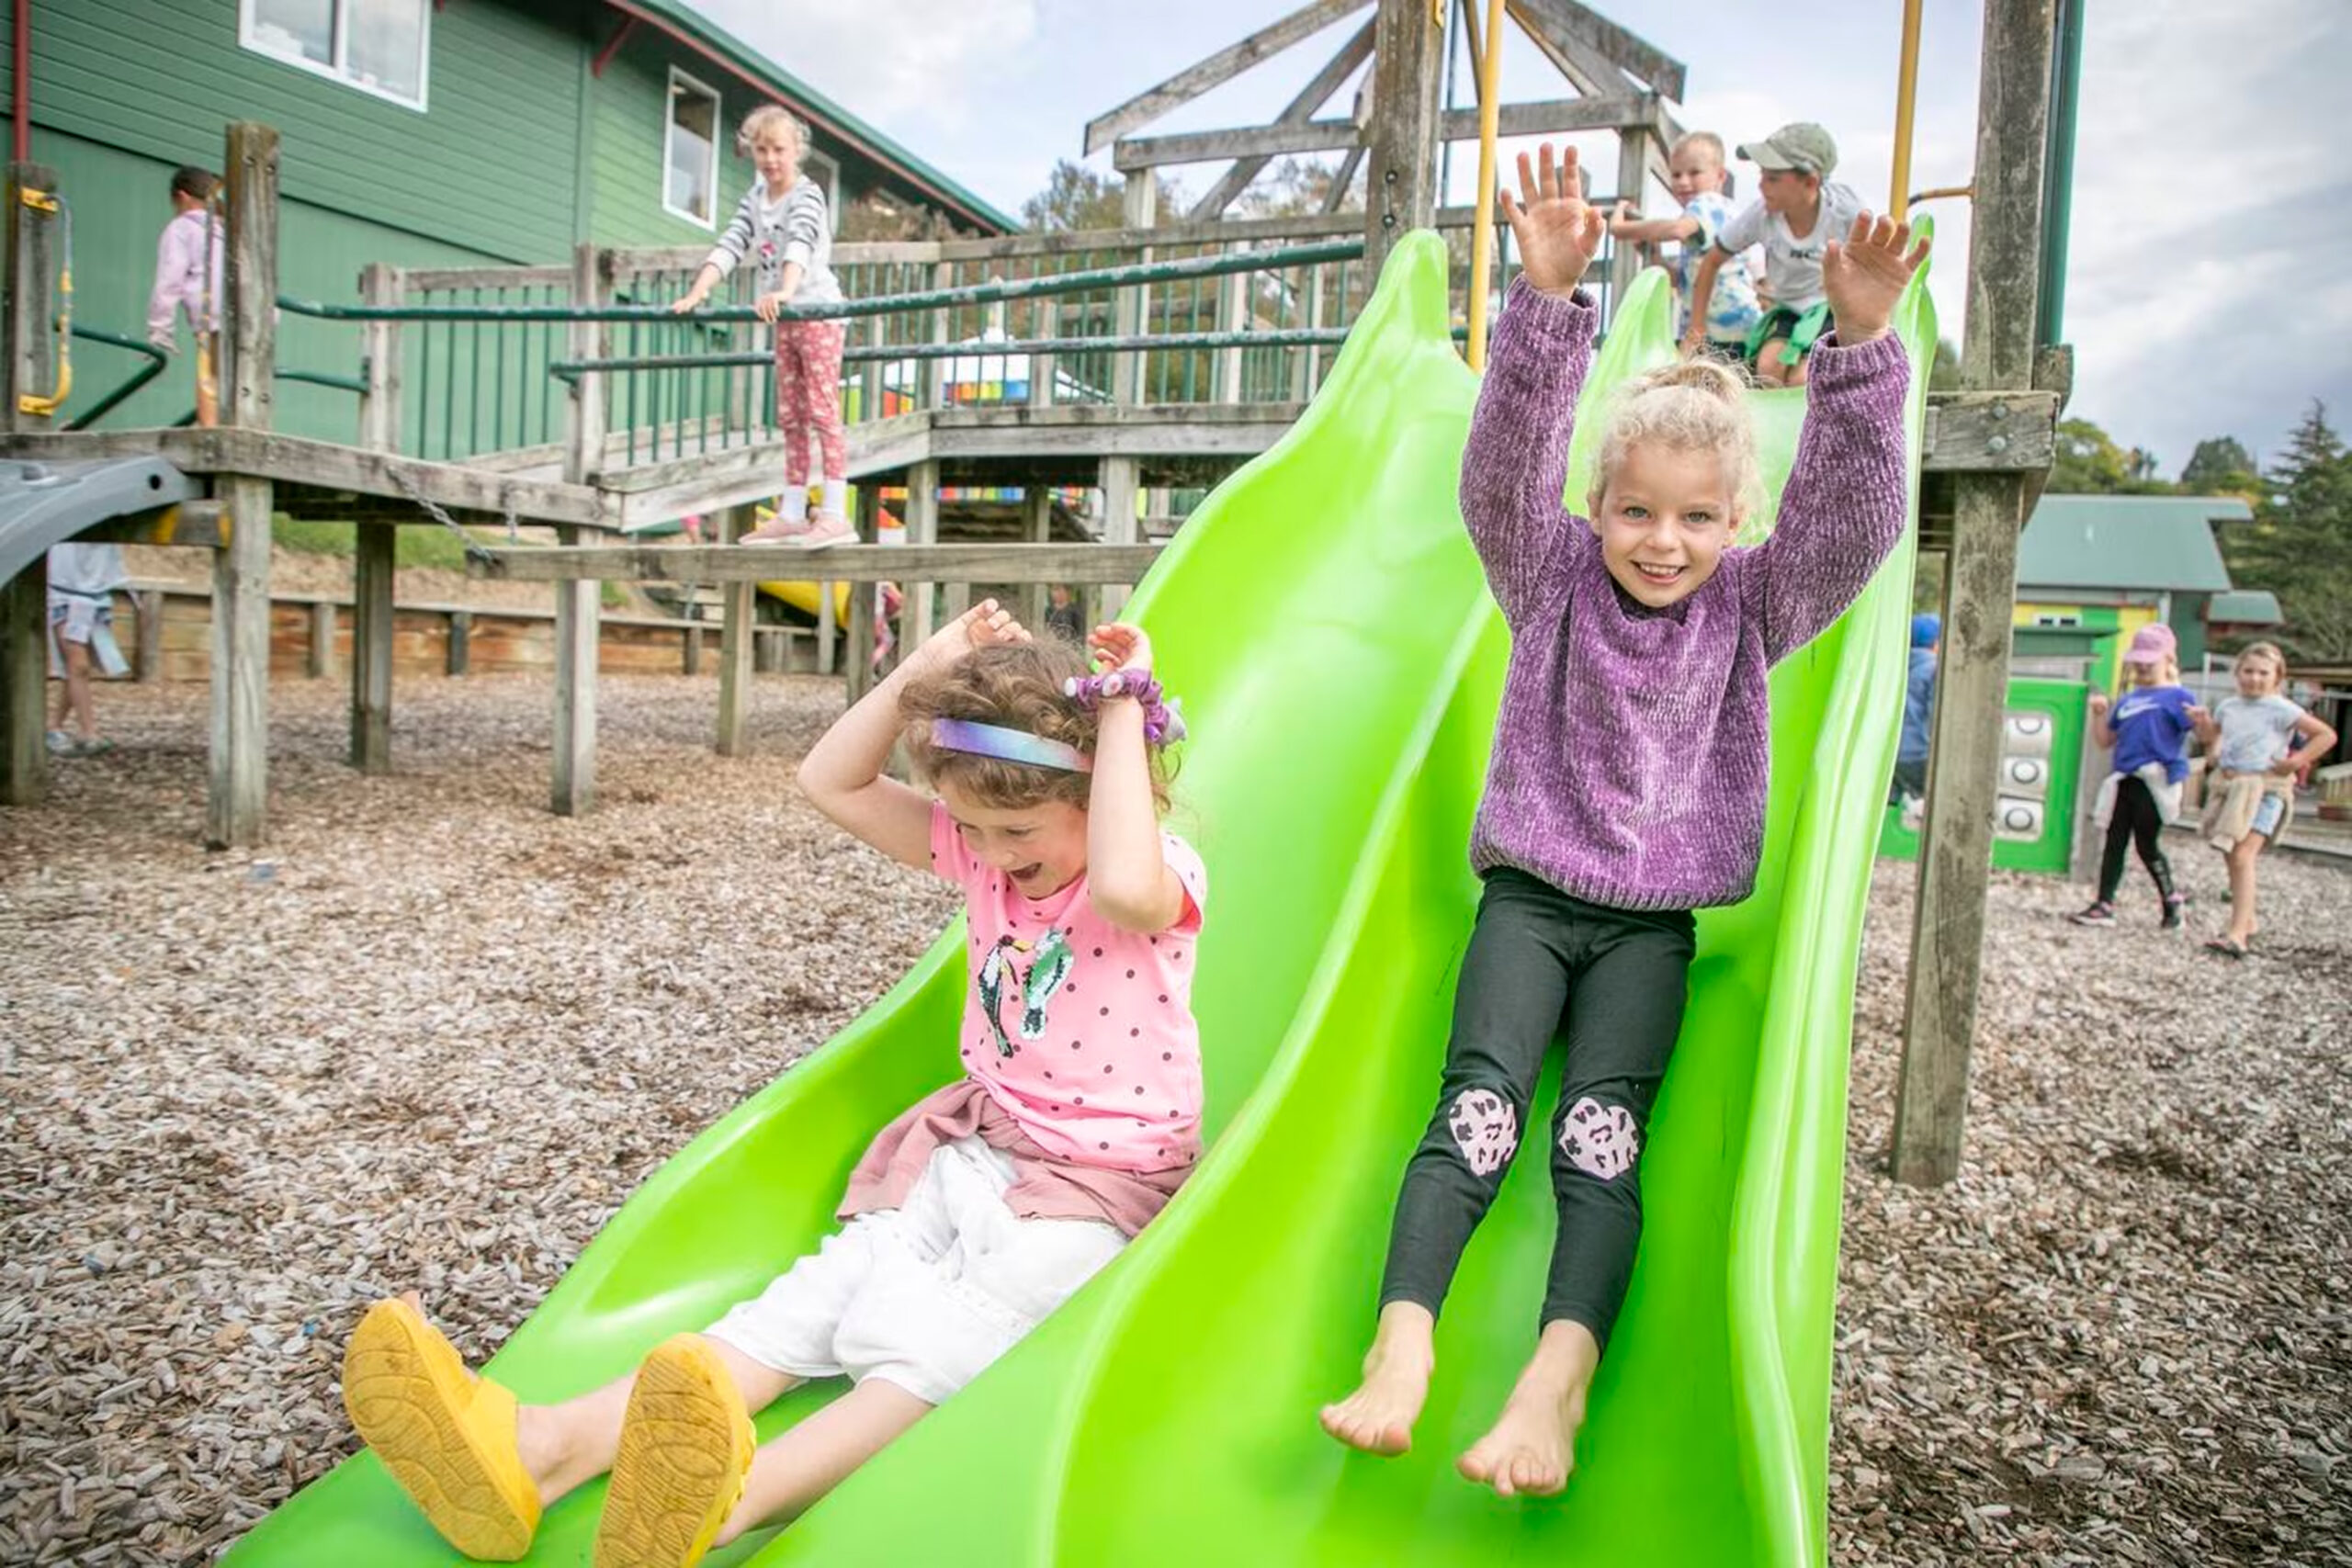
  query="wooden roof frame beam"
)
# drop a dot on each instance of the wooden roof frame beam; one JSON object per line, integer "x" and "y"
{"x": 1301, "y": 109}
{"x": 1551, "y": 117}
{"x": 1217, "y": 70}
{"x": 1565, "y": 28}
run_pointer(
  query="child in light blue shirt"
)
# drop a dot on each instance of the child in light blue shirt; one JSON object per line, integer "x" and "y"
{"x": 1695, "y": 174}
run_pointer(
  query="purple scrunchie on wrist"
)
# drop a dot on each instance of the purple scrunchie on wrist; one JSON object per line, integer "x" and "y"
{"x": 1162, "y": 723}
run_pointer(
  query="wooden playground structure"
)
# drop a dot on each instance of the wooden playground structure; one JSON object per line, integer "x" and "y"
{"x": 1124, "y": 363}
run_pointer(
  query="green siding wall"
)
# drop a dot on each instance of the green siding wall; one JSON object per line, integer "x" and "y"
{"x": 487, "y": 167}
{"x": 628, "y": 108}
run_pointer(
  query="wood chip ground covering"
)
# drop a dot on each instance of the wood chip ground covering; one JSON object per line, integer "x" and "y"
{"x": 433, "y": 1036}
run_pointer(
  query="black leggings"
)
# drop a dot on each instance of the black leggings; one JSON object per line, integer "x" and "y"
{"x": 1539, "y": 962}
{"x": 2137, "y": 821}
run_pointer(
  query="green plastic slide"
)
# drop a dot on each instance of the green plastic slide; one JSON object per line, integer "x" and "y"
{"x": 1325, "y": 620}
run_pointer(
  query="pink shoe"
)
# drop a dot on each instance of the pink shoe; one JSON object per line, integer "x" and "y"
{"x": 776, "y": 531}
{"x": 825, "y": 530}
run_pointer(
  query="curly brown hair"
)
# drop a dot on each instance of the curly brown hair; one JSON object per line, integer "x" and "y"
{"x": 1018, "y": 686}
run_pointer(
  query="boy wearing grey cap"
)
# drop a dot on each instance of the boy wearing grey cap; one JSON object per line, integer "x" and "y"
{"x": 1797, "y": 213}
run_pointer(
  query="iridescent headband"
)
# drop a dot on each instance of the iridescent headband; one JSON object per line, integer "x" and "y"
{"x": 1011, "y": 745}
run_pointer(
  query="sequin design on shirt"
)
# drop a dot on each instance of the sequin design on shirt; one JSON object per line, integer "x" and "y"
{"x": 1037, "y": 987}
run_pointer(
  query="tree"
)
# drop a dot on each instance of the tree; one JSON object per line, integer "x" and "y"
{"x": 1943, "y": 375}
{"x": 2220, "y": 465}
{"x": 1075, "y": 197}
{"x": 2090, "y": 463}
{"x": 2300, "y": 545}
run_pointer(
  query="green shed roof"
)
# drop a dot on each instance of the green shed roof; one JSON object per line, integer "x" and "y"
{"x": 2244, "y": 607}
{"x": 2163, "y": 542}
{"x": 697, "y": 32}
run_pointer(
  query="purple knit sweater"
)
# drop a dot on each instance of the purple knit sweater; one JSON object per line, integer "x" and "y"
{"x": 1634, "y": 749}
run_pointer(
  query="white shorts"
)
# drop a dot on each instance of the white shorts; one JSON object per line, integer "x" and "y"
{"x": 927, "y": 1295}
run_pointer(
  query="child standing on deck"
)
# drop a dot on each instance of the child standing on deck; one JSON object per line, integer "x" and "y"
{"x": 2250, "y": 793}
{"x": 1695, "y": 174}
{"x": 1797, "y": 214}
{"x": 187, "y": 279}
{"x": 1628, "y": 782}
{"x": 974, "y": 1214}
{"x": 2149, "y": 728}
{"x": 783, "y": 224}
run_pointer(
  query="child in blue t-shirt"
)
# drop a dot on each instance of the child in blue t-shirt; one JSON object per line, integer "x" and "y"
{"x": 2149, "y": 726}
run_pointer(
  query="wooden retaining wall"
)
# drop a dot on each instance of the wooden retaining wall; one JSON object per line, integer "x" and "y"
{"x": 165, "y": 630}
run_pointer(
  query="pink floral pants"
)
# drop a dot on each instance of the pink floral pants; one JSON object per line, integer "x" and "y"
{"x": 808, "y": 397}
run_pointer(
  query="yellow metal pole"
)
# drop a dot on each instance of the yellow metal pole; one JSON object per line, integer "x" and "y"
{"x": 1481, "y": 231}
{"x": 1907, "y": 95}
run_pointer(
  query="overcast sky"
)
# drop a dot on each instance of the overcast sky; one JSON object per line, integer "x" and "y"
{"x": 2205, "y": 296}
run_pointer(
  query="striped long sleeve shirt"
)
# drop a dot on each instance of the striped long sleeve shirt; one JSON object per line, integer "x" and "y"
{"x": 795, "y": 226}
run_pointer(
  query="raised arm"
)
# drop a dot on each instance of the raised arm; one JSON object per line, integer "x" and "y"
{"x": 1127, "y": 874}
{"x": 1844, "y": 508}
{"x": 1515, "y": 469}
{"x": 842, "y": 775}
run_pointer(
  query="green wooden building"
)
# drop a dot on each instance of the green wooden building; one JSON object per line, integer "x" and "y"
{"x": 420, "y": 134}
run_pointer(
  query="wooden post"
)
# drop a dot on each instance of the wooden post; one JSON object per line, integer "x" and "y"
{"x": 319, "y": 660}
{"x": 857, "y": 650}
{"x": 147, "y": 659}
{"x": 376, "y": 544}
{"x": 235, "y": 810}
{"x": 1043, "y": 368}
{"x": 25, "y": 327}
{"x": 1120, "y": 525}
{"x": 1980, "y": 586}
{"x": 1304, "y": 358}
{"x": 24, "y": 691}
{"x": 923, "y": 528}
{"x": 933, "y": 375}
{"x": 25, "y": 292}
{"x": 1131, "y": 306}
{"x": 828, "y": 627}
{"x": 1232, "y": 316}
{"x": 1037, "y": 528}
{"x": 735, "y": 638}
{"x": 1633, "y": 173}
{"x": 461, "y": 642}
{"x": 1408, "y": 57}
{"x": 577, "y": 604}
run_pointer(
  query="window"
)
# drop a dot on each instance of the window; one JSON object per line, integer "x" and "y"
{"x": 691, "y": 151}
{"x": 827, "y": 174}
{"x": 377, "y": 46}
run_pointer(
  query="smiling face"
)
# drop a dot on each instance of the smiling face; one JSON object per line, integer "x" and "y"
{"x": 1041, "y": 849}
{"x": 1694, "y": 169}
{"x": 1663, "y": 520}
{"x": 2259, "y": 673}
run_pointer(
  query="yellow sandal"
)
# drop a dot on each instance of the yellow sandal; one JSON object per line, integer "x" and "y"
{"x": 447, "y": 1435}
{"x": 686, "y": 1445}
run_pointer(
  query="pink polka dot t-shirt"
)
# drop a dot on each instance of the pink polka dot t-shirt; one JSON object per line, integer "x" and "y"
{"x": 1082, "y": 1031}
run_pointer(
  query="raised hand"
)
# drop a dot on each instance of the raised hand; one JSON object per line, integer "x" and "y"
{"x": 1117, "y": 645}
{"x": 1558, "y": 231}
{"x": 1865, "y": 274}
{"x": 985, "y": 625}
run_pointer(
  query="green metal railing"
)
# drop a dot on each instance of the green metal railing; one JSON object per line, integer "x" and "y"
{"x": 156, "y": 359}
{"x": 485, "y": 368}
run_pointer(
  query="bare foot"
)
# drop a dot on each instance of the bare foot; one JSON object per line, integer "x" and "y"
{"x": 1530, "y": 1448}
{"x": 1378, "y": 1418}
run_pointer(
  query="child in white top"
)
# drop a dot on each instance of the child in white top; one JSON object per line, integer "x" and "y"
{"x": 1796, "y": 216}
{"x": 783, "y": 225}
{"x": 2250, "y": 790}
{"x": 973, "y": 1215}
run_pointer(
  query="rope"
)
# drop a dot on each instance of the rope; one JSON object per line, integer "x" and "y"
{"x": 475, "y": 548}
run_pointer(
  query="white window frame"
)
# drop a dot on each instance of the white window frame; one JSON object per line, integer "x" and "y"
{"x": 339, "y": 74}
{"x": 823, "y": 169}
{"x": 717, "y": 158}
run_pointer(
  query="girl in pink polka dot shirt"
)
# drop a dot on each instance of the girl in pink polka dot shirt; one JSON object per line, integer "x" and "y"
{"x": 974, "y": 1214}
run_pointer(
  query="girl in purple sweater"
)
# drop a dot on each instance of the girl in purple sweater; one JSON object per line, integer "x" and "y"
{"x": 1628, "y": 779}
